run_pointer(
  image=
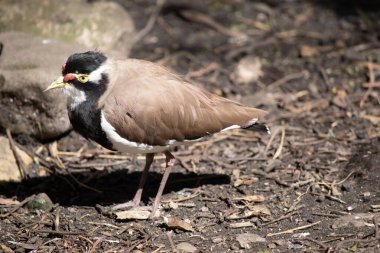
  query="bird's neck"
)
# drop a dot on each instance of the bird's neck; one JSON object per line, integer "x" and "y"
{"x": 86, "y": 119}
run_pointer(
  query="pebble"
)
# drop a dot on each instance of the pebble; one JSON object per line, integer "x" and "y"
{"x": 40, "y": 202}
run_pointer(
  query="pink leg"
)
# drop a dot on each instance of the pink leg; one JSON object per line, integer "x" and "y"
{"x": 137, "y": 198}
{"x": 169, "y": 165}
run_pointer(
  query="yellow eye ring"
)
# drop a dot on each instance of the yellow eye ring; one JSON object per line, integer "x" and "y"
{"x": 83, "y": 78}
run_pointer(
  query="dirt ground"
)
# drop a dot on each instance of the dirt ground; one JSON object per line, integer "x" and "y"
{"x": 312, "y": 186}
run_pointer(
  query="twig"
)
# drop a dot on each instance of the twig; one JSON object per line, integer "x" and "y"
{"x": 371, "y": 75}
{"x": 201, "y": 18}
{"x": 195, "y": 194}
{"x": 96, "y": 243}
{"x": 290, "y": 231}
{"x": 19, "y": 162}
{"x": 324, "y": 246}
{"x": 279, "y": 149}
{"x": 18, "y": 206}
{"x": 58, "y": 232}
{"x": 169, "y": 235}
{"x": 335, "y": 199}
{"x": 287, "y": 78}
{"x": 371, "y": 85}
{"x": 56, "y": 220}
{"x": 327, "y": 215}
{"x": 273, "y": 135}
{"x": 348, "y": 176}
{"x": 280, "y": 218}
{"x": 149, "y": 25}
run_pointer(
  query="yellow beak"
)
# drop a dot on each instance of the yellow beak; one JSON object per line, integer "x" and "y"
{"x": 59, "y": 83}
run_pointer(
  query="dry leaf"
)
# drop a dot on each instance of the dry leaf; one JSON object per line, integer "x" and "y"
{"x": 5, "y": 248}
{"x": 340, "y": 99}
{"x": 246, "y": 239}
{"x": 172, "y": 222}
{"x": 133, "y": 215}
{"x": 373, "y": 119}
{"x": 247, "y": 70}
{"x": 260, "y": 210}
{"x": 173, "y": 205}
{"x": 335, "y": 191}
{"x": 241, "y": 215}
{"x": 245, "y": 180}
{"x": 308, "y": 51}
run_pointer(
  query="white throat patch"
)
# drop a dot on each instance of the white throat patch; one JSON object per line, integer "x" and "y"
{"x": 76, "y": 95}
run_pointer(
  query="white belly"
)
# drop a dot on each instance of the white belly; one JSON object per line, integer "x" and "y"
{"x": 121, "y": 144}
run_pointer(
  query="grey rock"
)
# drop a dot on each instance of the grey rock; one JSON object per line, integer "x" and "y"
{"x": 102, "y": 25}
{"x": 28, "y": 64}
{"x": 8, "y": 167}
{"x": 40, "y": 202}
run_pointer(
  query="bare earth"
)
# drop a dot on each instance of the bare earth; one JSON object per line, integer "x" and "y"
{"x": 312, "y": 186}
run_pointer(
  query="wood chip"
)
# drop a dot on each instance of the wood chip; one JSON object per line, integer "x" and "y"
{"x": 308, "y": 51}
{"x": 8, "y": 202}
{"x": 246, "y": 239}
{"x": 173, "y": 222}
{"x": 245, "y": 180}
{"x": 243, "y": 224}
{"x": 132, "y": 215}
{"x": 245, "y": 214}
{"x": 251, "y": 198}
{"x": 5, "y": 248}
{"x": 260, "y": 210}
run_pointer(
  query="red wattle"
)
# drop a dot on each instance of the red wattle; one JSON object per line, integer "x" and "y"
{"x": 69, "y": 77}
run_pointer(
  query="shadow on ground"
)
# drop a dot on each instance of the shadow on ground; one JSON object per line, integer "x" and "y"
{"x": 116, "y": 187}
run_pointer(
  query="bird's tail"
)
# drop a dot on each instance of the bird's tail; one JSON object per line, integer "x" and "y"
{"x": 257, "y": 128}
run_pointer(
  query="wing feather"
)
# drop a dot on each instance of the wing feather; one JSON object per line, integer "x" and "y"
{"x": 149, "y": 104}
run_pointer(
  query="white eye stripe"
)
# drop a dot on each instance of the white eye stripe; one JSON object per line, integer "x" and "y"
{"x": 96, "y": 75}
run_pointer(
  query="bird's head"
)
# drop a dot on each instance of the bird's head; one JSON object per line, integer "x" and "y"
{"x": 82, "y": 72}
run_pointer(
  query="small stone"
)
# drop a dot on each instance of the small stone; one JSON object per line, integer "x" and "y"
{"x": 366, "y": 194}
{"x": 40, "y": 202}
{"x": 356, "y": 220}
{"x": 217, "y": 239}
{"x": 173, "y": 222}
{"x": 185, "y": 247}
{"x": 321, "y": 198}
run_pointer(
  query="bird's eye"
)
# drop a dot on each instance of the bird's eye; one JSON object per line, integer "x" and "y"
{"x": 83, "y": 78}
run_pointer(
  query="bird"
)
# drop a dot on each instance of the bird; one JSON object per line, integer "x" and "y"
{"x": 141, "y": 107}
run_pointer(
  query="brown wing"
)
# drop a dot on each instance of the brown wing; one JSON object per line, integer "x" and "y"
{"x": 150, "y": 105}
